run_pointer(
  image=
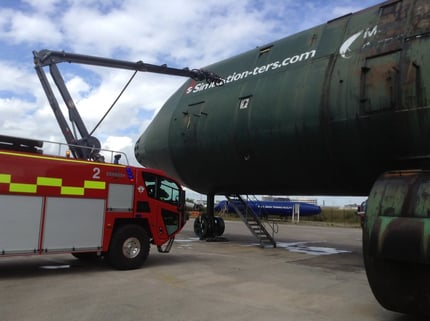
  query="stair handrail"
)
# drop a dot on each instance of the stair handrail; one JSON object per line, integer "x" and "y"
{"x": 274, "y": 227}
{"x": 252, "y": 214}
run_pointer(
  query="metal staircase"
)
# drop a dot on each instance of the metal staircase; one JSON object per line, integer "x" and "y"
{"x": 251, "y": 220}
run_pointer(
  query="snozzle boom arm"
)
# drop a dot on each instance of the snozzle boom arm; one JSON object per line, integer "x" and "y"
{"x": 51, "y": 58}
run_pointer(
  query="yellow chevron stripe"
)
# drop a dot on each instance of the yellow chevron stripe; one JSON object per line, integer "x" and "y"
{"x": 95, "y": 184}
{"x": 22, "y": 188}
{"x": 71, "y": 190}
{"x": 48, "y": 181}
{"x": 5, "y": 178}
{"x": 52, "y": 182}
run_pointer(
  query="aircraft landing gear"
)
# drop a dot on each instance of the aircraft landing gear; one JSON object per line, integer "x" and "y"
{"x": 206, "y": 227}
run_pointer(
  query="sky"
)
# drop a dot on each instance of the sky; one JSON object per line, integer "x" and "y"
{"x": 179, "y": 33}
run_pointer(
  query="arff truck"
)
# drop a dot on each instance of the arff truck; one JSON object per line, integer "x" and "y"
{"x": 65, "y": 205}
{"x": 78, "y": 203}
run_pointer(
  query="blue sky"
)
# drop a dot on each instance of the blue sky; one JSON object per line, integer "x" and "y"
{"x": 178, "y": 33}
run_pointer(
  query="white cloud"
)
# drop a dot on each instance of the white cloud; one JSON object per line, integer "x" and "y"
{"x": 20, "y": 27}
{"x": 45, "y": 6}
{"x": 180, "y": 33}
{"x": 21, "y": 118}
{"x": 117, "y": 142}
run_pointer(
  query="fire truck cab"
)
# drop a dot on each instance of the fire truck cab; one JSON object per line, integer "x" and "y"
{"x": 53, "y": 204}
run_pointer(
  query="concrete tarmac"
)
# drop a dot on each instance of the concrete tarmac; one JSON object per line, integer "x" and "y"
{"x": 315, "y": 273}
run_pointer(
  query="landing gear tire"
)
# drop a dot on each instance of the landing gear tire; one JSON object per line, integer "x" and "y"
{"x": 205, "y": 227}
{"x": 201, "y": 226}
{"x": 129, "y": 247}
{"x": 219, "y": 226}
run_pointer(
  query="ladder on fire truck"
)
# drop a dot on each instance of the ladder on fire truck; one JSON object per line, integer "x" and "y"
{"x": 21, "y": 144}
{"x": 251, "y": 220}
{"x": 52, "y": 148}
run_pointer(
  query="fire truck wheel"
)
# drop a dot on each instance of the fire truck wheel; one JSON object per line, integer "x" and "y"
{"x": 129, "y": 247}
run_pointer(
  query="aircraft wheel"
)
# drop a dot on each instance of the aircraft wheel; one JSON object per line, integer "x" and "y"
{"x": 129, "y": 247}
{"x": 201, "y": 226}
{"x": 219, "y": 226}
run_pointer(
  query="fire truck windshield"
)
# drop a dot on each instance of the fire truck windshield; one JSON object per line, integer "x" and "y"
{"x": 162, "y": 188}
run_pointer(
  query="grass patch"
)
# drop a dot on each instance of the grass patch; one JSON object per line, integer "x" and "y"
{"x": 335, "y": 216}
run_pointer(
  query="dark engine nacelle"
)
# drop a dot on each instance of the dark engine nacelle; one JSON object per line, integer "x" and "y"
{"x": 396, "y": 239}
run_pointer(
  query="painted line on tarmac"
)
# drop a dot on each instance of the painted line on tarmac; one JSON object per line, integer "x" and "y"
{"x": 297, "y": 247}
{"x": 305, "y": 247}
{"x": 55, "y": 267}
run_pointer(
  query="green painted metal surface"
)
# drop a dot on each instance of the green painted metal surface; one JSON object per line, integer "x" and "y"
{"x": 325, "y": 111}
{"x": 396, "y": 238}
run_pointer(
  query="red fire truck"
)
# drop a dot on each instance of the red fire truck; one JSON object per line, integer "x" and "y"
{"x": 78, "y": 203}
{"x": 52, "y": 204}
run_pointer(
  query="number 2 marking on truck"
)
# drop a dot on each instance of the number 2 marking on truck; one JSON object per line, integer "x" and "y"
{"x": 96, "y": 174}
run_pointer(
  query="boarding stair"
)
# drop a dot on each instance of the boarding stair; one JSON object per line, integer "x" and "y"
{"x": 251, "y": 220}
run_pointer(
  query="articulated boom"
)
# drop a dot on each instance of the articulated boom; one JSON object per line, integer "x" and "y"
{"x": 52, "y": 58}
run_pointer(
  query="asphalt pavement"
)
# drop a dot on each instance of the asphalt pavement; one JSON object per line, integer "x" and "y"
{"x": 315, "y": 273}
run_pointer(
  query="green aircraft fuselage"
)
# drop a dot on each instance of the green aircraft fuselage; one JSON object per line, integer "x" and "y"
{"x": 324, "y": 111}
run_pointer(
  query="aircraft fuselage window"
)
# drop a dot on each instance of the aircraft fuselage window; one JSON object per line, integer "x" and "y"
{"x": 244, "y": 102}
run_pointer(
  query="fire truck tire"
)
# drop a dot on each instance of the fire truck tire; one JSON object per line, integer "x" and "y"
{"x": 129, "y": 247}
